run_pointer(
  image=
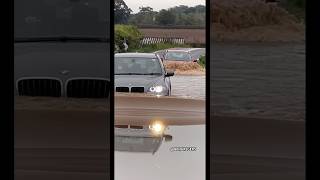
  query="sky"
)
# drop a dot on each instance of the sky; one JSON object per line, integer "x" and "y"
{"x": 161, "y": 4}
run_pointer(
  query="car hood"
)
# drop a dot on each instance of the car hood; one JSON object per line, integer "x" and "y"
{"x": 79, "y": 59}
{"x": 137, "y": 80}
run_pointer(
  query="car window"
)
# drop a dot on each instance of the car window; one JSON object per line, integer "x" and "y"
{"x": 179, "y": 56}
{"x": 194, "y": 55}
{"x": 137, "y": 66}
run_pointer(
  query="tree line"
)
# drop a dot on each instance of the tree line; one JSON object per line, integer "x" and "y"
{"x": 175, "y": 16}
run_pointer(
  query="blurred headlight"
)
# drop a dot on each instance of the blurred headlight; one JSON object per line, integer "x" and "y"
{"x": 157, "y": 128}
{"x": 156, "y": 89}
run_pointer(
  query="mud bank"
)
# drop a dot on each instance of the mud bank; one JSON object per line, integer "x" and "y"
{"x": 253, "y": 21}
{"x": 185, "y": 68}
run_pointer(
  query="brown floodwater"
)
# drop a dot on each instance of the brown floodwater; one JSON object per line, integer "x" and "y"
{"x": 188, "y": 86}
{"x": 261, "y": 80}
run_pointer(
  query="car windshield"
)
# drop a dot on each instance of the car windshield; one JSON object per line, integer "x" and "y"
{"x": 177, "y": 55}
{"x": 56, "y": 18}
{"x": 137, "y": 66}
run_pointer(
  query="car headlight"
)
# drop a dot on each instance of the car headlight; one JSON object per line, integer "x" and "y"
{"x": 157, "y": 128}
{"x": 156, "y": 89}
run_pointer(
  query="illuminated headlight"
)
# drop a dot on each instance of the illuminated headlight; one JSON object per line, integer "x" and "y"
{"x": 156, "y": 89}
{"x": 157, "y": 128}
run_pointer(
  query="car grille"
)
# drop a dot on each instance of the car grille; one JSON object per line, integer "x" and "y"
{"x": 129, "y": 126}
{"x": 122, "y": 126}
{"x": 39, "y": 87}
{"x": 137, "y": 89}
{"x": 136, "y": 127}
{"x": 133, "y": 89}
{"x": 88, "y": 88}
{"x": 122, "y": 89}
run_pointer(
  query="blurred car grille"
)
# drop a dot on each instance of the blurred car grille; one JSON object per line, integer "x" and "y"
{"x": 133, "y": 89}
{"x": 88, "y": 88}
{"x": 122, "y": 126}
{"x": 129, "y": 126}
{"x": 122, "y": 89}
{"x": 39, "y": 87}
{"x": 137, "y": 89}
{"x": 136, "y": 127}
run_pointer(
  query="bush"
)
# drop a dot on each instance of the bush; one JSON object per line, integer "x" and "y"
{"x": 295, "y": 7}
{"x": 129, "y": 33}
{"x": 202, "y": 61}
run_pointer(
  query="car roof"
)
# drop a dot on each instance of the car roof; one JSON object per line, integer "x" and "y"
{"x": 183, "y": 49}
{"x": 136, "y": 55}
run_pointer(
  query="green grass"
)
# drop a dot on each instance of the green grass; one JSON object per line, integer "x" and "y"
{"x": 202, "y": 61}
{"x": 156, "y": 47}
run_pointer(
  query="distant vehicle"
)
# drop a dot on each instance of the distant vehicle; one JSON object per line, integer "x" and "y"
{"x": 161, "y": 53}
{"x": 141, "y": 73}
{"x": 183, "y": 54}
{"x": 133, "y": 138}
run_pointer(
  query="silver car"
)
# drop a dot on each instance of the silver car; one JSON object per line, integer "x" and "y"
{"x": 141, "y": 73}
{"x": 182, "y": 54}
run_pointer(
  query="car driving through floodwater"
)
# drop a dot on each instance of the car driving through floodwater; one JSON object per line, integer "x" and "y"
{"x": 141, "y": 73}
{"x": 182, "y": 54}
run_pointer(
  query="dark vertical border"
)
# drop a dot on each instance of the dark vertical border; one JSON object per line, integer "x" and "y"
{"x": 312, "y": 54}
{"x": 306, "y": 85}
{"x": 111, "y": 134}
{"x": 10, "y": 95}
{"x": 207, "y": 89}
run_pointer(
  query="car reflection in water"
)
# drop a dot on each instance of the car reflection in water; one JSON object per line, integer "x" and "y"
{"x": 142, "y": 139}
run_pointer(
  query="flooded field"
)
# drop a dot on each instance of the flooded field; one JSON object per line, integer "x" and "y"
{"x": 259, "y": 80}
{"x": 262, "y": 80}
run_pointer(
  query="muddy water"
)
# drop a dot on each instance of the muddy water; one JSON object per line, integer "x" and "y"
{"x": 167, "y": 163}
{"x": 251, "y": 80}
{"x": 258, "y": 80}
{"x": 185, "y": 117}
{"x": 188, "y": 86}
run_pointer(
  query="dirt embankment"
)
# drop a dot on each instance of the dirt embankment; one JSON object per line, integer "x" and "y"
{"x": 185, "y": 68}
{"x": 253, "y": 20}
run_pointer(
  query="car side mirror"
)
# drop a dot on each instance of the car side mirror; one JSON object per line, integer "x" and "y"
{"x": 167, "y": 138}
{"x": 169, "y": 73}
{"x": 196, "y": 60}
